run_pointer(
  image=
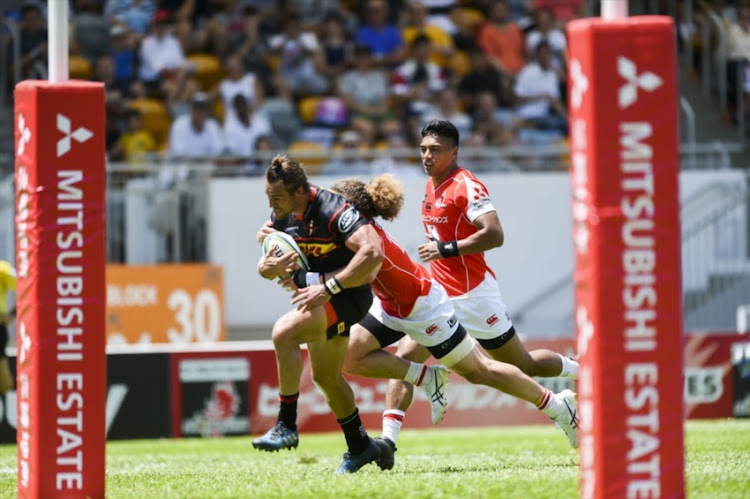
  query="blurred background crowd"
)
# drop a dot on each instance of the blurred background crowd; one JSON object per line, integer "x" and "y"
{"x": 232, "y": 80}
{"x": 227, "y": 79}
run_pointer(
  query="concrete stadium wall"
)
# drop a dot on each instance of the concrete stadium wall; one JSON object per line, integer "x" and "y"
{"x": 534, "y": 210}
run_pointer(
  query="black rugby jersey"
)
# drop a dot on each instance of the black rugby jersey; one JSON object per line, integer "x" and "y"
{"x": 321, "y": 231}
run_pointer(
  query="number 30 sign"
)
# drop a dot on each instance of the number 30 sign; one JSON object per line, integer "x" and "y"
{"x": 181, "y": 303}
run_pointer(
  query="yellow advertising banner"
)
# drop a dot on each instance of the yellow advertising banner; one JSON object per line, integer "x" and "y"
{"x": 180, "y": 303}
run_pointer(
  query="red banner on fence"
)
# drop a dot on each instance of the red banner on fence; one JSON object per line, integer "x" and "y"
{"x": 624, "y": 147}
{"x": 60, "y": 256}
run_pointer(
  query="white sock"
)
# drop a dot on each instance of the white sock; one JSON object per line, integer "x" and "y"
{"x": 416, "y": 374}
{"x": 569, "y": 367}
{"x": 392, "y": 421}
{"x": 550, "y": 404}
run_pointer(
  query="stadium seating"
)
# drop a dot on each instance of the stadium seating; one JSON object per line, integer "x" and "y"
{"x": 79, "y": 68}
{"x": 208, "y": 69}
{"x": 309, "y": 153}
{"x": 156, "y": 119}
{"x": 307, "y": 107}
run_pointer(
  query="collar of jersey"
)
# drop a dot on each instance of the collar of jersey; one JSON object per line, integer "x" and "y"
{"x": 313, "y": 194}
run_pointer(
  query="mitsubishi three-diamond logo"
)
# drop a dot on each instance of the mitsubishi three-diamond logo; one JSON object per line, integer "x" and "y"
{"x": 24, "y": 134}
{"x": 24, "y": 345}
{"x": 580, "y": 84}
{"x": 647, "y": 81}
{"x": 80, "y": 134}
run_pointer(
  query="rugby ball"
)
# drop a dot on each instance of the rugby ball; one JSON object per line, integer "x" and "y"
{"x": 283, "y": 244}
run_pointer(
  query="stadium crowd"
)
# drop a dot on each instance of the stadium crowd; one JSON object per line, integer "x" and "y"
{"x": 229, "y": 79}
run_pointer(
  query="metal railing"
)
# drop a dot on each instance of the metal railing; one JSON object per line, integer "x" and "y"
{"x": 715, "y": 235}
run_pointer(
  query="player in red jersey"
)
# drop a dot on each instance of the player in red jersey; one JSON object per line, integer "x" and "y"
{"x": 408, "y": 302}
{"x": 461, "y": 224}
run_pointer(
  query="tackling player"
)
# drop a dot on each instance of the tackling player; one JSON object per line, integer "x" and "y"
{"x": 461, "y": 224}
{"x": 333, "y": 235}
{"x": 407, "y": 301}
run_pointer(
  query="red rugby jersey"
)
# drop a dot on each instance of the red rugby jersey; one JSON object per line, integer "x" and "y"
{"x": 400, "y": 280}
{"x": 448, "y": 211}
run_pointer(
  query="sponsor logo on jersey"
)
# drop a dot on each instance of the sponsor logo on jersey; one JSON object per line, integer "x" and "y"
{"x": 430, "y": 329}
{"x": 492, "y": 320}
{"x": 427, "y": 206}
{"x": 348, "y": 219}
{"x": 434, "y": 220}
{"x": 317, "y": 249}
{"x": 480, "y": 203}
{"x": 452, "y": 321}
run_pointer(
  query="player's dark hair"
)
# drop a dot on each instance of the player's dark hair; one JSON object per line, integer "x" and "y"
{"x": 441, "y": 129}
{"x": 289, "y": 172}
{"x": 382, "y": 197}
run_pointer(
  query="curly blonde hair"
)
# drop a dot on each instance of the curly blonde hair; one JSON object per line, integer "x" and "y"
{"x": 383, "y": 196}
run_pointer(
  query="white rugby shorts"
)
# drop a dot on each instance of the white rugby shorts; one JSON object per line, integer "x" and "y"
{"x": 431, "y": 322}
{"x": 482, "y": 311}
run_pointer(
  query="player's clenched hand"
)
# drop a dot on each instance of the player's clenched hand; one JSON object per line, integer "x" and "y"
{"x": 429, "y": 251}
{"x": 264, "y": 230}
{"x": 270, "y": 266}
{"x": 310, "y": 297}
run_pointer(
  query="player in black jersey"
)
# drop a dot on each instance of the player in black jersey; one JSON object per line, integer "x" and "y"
{"x": 333, "y": 235}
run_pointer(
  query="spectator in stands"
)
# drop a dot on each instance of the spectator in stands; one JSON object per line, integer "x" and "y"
{"x": 447, "y": 108}
{"x": 393, "y": 158}
{"x": 439, "y": 13}
{"x": 297, "y": 50}
{"x": 336, "y": 47}
{"x": 502, "y": 40}
{"x": 242, "y": 131}
{"x": 417, "y": 81}
{"x": 313, "y": 12}
{"x": 385, "y": 41}
{"x": 115, "y": 91}
{"x": 537, "y": 90}
{"x": 464, "y": 38}
{"x": 135, "y": 143}
{"x": 348, "y": 160}
{"x": 264, "y": 149}
{"x": 161, "y": 56}
{"x": 496, "y": 124}
{"x": 211, "y": 29}
{"x": 238, "y": 82}
{"x": 248, "y": 43}
{"x": 135, "y": 15}
{"x": 196, "y": 135}
{"x": 122, "y": 50}
{"x": 547, "y": 28}
{"x": 484, "y": 77}
{"x": 441, "y": 48}
{"x": 90, "y": 30}
{"x": 33, "y": 43}
{"x": 366, "y": 93}
{"x": 179, "y": 97}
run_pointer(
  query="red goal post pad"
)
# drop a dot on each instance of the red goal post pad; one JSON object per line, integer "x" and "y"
{"x": 626, "y": 228}
{"x": 60, "y": 262}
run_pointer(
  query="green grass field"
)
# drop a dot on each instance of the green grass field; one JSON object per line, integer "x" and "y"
{"x": 504, "y": 462}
